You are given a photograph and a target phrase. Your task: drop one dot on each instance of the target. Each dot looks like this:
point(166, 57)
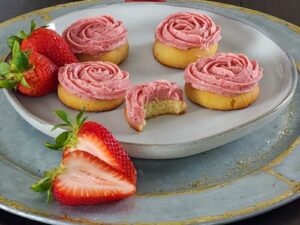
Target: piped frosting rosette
point(94, 80)
point(139, 95)
point(188, 30)
point(226, 73)
point(95, 35)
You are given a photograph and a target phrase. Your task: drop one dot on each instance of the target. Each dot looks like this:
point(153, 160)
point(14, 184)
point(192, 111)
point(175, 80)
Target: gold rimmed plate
point(244, 178)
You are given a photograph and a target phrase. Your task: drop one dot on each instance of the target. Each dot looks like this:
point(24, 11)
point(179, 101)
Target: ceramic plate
point(243, 178)
point(198, 129)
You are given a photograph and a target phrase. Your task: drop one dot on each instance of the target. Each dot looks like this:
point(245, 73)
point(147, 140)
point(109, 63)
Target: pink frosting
point(94, 80)
point(226, 73)
point(95, 35)
point(138, 96)
point(188, 30)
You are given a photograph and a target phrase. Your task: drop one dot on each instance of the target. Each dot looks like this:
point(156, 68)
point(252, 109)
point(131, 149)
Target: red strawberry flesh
point(88, 180)
point(98, 141)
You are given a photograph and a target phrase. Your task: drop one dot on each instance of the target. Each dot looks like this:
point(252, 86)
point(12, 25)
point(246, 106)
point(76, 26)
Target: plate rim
point(31, 118)
point(57, 220)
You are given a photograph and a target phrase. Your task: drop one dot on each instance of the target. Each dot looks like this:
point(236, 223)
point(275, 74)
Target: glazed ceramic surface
point(249, 176)
point(198, 129)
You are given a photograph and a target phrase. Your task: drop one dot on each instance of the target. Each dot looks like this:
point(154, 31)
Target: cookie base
point(179, 58)
point(115, 56)
point(221, 102)
point(158, 108)
point(87, 105)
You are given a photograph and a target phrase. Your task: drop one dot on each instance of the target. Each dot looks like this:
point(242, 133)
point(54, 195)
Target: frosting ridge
point(226, 73)
point(95, 35)
point(94, 80)
point(188, 30)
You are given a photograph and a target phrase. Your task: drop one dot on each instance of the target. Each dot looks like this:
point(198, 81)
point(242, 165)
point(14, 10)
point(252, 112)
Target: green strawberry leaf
point(4, 68)
point(69, 137)
point(42, 185)
point(24, 82)
point(60, 141)
point(12, 39)
point(49, 194)
point(45, 184)
point(55, 146)
point(59, 126)
point(78, 117)
point(63, 137)
point(32, 27)
point(64, 116)
point(80, 120)
point(10, 84)
point(19, 58)
point(21, 34)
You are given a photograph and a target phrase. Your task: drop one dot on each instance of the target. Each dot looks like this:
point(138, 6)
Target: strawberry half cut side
point(95, 139)
point(83, 179)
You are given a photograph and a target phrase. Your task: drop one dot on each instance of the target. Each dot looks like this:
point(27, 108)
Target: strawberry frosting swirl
point(95, 35)
point(94, 80)
point(226, 73)
point(139, 95)
point(188, 30)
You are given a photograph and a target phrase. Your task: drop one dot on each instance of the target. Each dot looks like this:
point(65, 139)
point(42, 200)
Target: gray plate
point(254, 174)
point(204, 129)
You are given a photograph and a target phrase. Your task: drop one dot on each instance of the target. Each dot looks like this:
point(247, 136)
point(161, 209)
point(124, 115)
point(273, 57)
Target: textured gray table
point(287, 215)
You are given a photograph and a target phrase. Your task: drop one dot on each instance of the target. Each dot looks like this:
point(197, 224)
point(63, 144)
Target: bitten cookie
point(152, 99)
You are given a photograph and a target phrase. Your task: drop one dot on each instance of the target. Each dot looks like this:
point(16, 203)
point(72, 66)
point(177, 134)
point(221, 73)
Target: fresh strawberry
point(83, 179)
point(95, 139)
point(30, 72)
point(50, 44)
point(46, 42)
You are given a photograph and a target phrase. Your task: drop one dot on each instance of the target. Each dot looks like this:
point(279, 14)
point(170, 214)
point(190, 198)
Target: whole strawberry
point(46, 42)
point(30, 72)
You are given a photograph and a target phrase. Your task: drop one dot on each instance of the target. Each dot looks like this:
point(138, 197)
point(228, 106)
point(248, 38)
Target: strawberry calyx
point(67, 138)
point(12, 73)
point(21, 35)
point(45, 184)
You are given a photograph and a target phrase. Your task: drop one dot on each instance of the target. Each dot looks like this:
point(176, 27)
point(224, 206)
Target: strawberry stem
point(12, 73)
point(20, 36)
point(45, 184)
point(67, 138)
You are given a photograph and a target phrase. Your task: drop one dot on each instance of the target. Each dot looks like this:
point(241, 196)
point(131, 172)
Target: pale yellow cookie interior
point(115, 56)
point(88, 105)
point(158, 108)
point(221, 102)
point(180, 58)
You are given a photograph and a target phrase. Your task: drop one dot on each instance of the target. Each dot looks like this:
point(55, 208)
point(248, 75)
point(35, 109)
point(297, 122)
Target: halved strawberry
point(83, 179)
point(95, 139)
